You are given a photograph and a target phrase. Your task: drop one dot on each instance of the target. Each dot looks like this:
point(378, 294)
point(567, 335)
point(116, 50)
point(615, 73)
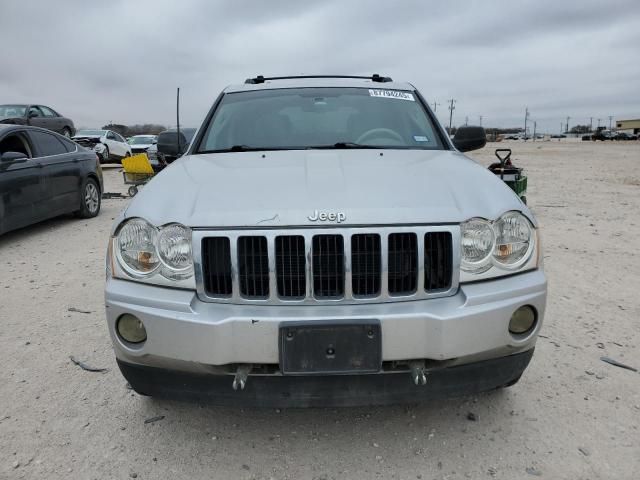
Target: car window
point(320, 118)
point(68, 144)
point(11, 111)
point(111, 136)
point(47, 144)
point(35, 110)
point(47, 111)
point(120, 138)
point(15, 142)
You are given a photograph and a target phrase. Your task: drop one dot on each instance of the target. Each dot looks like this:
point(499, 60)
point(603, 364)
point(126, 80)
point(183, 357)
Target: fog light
point(131, 329)
point(522, 320)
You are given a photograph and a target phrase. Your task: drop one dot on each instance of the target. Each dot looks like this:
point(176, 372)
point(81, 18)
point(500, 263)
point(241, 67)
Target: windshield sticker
point(392, 94)
point(420, 138)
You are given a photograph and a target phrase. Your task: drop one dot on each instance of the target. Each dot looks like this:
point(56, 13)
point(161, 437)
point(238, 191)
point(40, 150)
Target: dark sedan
point(43, 175)
point(37, 116)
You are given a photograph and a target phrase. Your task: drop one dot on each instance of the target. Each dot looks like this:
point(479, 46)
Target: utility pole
point(435, 106)
point(599, 123)
point(534, 130)
point(560, 131)
point(452, 107)
point(610, 118)
point(526, 117)
point(480, 120)
point(591, 124)
point(568, 118)
point(466, 121)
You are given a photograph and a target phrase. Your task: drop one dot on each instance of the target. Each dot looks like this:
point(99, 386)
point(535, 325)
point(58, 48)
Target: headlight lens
point(174, 250)
point(513, 239)
point(477, 243)
point(160, 256)
point(136, 247)
point(493, 249)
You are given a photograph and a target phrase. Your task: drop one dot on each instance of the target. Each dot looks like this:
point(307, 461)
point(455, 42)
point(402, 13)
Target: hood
point(140, 146)
point(284, 188)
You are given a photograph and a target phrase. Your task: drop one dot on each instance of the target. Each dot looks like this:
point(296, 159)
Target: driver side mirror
point(33, 114)
point(469, 138)
point(12, 156)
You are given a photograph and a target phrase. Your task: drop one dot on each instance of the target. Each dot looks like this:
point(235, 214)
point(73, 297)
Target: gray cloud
point(121, 61)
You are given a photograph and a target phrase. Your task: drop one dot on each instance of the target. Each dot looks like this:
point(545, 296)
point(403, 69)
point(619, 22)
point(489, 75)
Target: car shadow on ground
point(16, 236)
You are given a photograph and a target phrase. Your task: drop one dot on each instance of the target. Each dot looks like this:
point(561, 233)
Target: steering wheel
point(380, 132)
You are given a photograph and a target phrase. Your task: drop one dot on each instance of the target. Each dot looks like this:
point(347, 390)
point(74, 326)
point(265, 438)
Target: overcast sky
point(121, 61)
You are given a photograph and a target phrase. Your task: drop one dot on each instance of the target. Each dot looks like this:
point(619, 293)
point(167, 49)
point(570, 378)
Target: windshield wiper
point(241, 148)
point(344, 145)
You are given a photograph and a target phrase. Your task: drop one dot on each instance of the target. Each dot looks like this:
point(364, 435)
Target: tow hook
point(240, 379)
point(418, 374)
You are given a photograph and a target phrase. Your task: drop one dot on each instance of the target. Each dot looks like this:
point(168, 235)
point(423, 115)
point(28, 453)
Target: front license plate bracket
point(320, 347)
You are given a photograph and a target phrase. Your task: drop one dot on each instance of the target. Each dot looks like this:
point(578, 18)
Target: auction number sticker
point(398, 95)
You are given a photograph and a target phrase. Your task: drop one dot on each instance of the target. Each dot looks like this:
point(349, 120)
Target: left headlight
point(145, 253)
point(502, 247)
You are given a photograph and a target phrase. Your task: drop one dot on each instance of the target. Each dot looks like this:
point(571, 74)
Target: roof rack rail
point(374, 78)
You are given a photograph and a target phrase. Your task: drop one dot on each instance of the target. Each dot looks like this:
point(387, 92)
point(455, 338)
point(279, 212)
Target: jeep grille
point(349, 265)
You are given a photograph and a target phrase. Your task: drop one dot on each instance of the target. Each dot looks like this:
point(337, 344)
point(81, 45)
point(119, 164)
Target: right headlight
point(493, 249)
point(148, 254)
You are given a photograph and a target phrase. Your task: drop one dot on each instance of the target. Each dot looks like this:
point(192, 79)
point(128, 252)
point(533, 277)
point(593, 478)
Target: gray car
point(323, 242)
point(37, 116)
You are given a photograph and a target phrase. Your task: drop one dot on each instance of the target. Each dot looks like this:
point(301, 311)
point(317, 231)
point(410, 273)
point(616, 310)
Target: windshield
point(81, 133)
point(11, 111)
point(141, 140)
point(301, 118)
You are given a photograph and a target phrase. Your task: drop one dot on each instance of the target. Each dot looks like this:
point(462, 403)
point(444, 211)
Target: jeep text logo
point(327, 216)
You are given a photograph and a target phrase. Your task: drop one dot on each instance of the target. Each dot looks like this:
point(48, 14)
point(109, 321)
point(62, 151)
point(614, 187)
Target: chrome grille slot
point(216, 254)
point(437, 261)
point(366, 264)
point(291, 267)
point(403, 263)
point(253, 267)
point(328, 266)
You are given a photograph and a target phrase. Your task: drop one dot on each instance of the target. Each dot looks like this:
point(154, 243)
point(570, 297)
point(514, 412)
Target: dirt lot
point(572, 416)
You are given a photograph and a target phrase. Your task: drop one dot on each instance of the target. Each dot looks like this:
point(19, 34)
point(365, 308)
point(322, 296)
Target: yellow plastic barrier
point(137, 164)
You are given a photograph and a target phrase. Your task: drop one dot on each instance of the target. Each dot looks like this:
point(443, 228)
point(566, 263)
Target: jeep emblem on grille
point(327, 216)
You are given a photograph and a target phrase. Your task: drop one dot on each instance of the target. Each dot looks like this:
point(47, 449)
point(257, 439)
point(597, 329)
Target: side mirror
point(469, 138)
point(33, 114)
point(154, 142)
point(12, 156)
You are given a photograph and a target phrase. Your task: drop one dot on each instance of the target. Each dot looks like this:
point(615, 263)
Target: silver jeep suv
point(323, 242)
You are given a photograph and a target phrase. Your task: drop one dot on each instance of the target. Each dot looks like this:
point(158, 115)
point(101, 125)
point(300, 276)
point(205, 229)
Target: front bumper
point(189, 335)
point(328, 391)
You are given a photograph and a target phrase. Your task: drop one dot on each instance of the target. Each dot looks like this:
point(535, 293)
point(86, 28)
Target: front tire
point(105, 155)
point(90, 199)
point(66, 132)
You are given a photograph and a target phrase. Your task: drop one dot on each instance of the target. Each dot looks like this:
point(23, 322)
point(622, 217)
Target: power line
point(452, 107)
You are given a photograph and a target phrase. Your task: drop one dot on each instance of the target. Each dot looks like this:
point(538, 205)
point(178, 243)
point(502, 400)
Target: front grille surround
point(274, 298)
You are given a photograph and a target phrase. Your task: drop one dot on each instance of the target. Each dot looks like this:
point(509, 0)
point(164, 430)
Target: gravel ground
point(572, 416)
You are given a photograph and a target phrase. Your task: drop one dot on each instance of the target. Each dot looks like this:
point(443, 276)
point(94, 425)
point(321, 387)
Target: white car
point(141, 143)
point(109, 145)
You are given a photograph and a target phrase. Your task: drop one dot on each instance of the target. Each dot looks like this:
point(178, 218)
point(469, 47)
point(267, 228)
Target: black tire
point(133, 190)
point(105, 155)
point(66, 132)
point(90, 199)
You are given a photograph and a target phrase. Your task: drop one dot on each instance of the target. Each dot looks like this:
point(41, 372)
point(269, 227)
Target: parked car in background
point(43, 175)
point(109, 145)
point(141, 143)
point(172, 146)
point(626, 136)
point(37, 116)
